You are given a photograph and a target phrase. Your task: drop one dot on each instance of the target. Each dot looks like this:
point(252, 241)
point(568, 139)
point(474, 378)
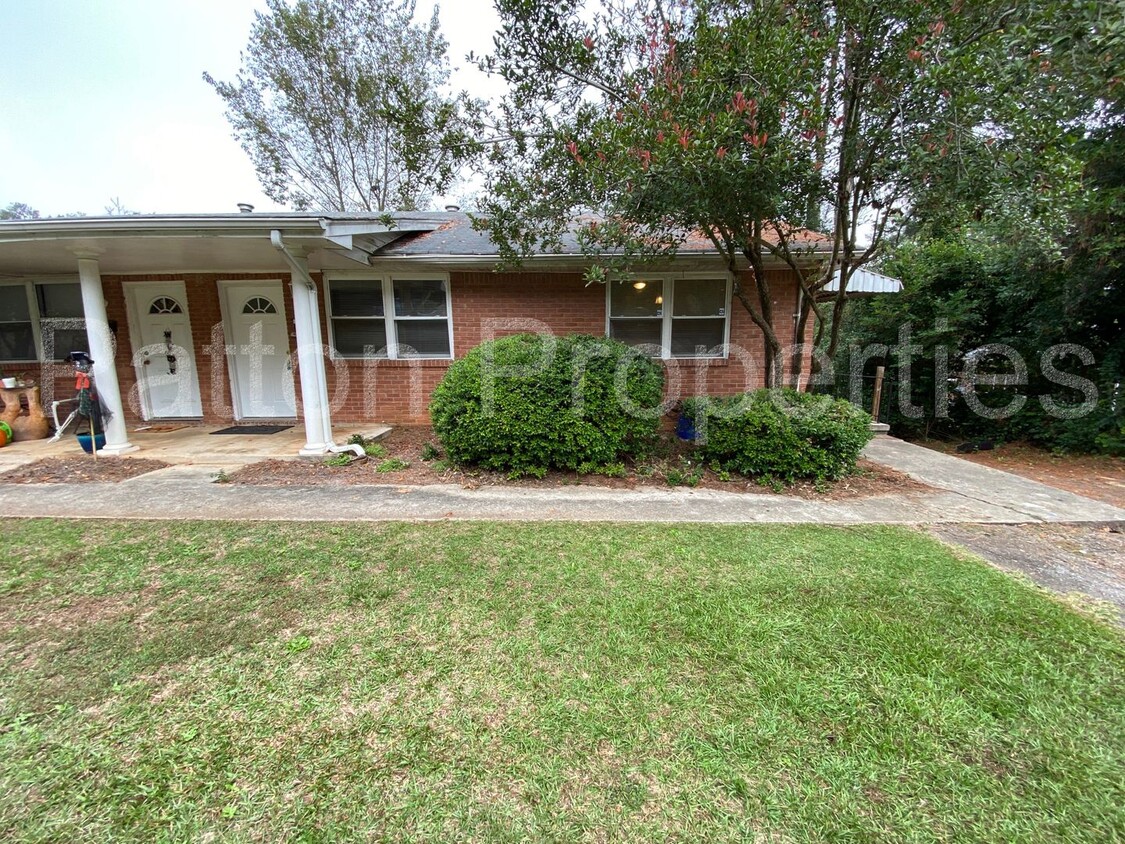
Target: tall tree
point(18, 211)
point(743, 121)
point(340, 104)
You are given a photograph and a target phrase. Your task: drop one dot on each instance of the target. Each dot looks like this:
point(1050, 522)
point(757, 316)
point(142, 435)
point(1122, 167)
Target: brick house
point(219, 319)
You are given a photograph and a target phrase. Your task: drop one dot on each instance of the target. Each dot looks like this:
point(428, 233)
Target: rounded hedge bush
point(528, 403)
point(780, 433)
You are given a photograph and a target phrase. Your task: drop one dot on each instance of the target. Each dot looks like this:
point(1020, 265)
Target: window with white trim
point(41, 321)
point(390, 316)
point(671, 317)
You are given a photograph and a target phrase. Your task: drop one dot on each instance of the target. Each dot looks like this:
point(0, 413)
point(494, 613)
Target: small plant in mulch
point(339, 460)
point(430, 452)
point(721, 474)
point(684, 473)
point(392, 464)
point(370, 447)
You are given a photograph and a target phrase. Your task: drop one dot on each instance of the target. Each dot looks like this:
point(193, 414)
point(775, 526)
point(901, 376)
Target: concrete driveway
point(1085, 560)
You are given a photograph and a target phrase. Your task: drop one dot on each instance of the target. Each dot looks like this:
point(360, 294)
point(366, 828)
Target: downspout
point(301, 271)
point(294, 264)
point(798, 340)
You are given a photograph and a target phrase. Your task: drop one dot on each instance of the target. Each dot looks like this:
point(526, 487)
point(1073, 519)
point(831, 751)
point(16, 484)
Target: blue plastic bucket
point(685, 427)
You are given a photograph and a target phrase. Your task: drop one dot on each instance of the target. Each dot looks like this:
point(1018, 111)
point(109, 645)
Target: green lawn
point(543, 682)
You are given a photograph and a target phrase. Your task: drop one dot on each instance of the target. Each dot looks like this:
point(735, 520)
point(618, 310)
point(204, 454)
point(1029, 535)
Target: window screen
point(358, 324)
point(636, 311)
point(17, 340)
point(421, 318)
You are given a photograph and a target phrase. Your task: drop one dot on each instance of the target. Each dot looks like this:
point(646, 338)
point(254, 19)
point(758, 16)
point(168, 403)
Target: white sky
point(105, 98)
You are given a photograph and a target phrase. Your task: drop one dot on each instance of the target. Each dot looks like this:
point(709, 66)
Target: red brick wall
point(564, 304)
point(398, 391)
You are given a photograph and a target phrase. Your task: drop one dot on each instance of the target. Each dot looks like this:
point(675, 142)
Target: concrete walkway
point(1067, 559)
point(1026, 500)
point(965, 493)
point(193, 444)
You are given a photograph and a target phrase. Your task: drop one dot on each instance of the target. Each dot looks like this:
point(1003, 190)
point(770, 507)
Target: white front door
point(163, 352)
point(261, 371)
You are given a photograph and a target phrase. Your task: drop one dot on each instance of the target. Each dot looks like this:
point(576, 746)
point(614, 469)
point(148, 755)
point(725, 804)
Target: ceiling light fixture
point(638, 285)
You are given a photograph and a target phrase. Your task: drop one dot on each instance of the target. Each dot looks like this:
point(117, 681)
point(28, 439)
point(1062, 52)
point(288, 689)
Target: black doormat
point(253, 429)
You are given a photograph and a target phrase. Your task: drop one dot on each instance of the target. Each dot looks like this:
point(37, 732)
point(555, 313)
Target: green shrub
point(528, 403)
point(780, 434)
point(430, 452)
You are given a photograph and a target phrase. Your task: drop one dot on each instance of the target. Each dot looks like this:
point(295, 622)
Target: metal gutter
point(202, 225)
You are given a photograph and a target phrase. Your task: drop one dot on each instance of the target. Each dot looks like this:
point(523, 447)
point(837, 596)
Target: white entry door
point(258, 351)
point(163, 351)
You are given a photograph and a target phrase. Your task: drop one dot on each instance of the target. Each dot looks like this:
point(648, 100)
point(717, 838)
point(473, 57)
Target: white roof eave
point(864, 281)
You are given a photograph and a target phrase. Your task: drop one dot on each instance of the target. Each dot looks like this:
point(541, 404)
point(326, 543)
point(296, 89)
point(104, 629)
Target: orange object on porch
point(32, 425)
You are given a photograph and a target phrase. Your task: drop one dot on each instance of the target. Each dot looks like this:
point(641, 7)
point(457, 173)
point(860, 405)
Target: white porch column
point(101, 350)
point(310, 357)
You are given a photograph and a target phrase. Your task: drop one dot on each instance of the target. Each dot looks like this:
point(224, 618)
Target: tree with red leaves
point(746, 122)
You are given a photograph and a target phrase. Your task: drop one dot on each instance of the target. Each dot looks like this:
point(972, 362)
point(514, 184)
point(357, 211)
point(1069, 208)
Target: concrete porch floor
point(192, 445)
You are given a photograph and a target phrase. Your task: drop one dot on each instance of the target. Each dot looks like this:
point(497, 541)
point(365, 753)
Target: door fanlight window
point(258, 305)
point(165, 305)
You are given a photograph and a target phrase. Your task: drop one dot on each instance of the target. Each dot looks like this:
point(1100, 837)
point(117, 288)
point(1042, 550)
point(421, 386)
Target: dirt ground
point(406, 443)
point(1095, 476)
point(1085, 563)
point(80, 470)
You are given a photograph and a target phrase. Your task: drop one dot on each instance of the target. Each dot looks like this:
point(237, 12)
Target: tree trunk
point(837, 322)
point(762, 315)
point(798, 362)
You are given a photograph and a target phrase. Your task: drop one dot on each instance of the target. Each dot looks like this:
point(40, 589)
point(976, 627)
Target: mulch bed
point(406, 443)
point(80, 470)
